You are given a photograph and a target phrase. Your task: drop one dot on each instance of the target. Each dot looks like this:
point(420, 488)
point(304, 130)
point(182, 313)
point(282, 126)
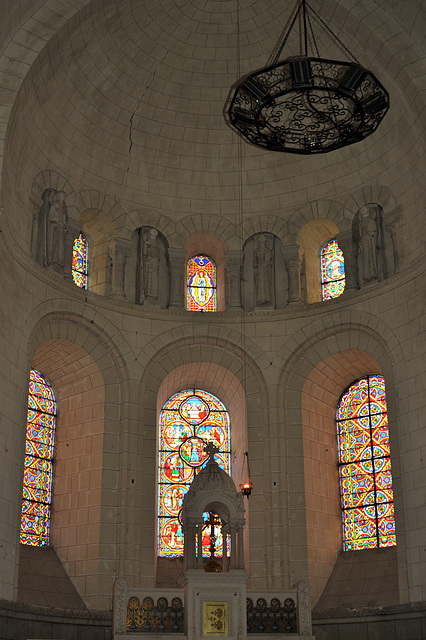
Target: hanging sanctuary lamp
point(308, 104)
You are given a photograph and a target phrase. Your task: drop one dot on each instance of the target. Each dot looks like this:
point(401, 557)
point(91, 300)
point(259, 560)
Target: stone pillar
point(349, 250)
point(240, 538)
point(304, 609)
point(72, 232)
point(199, 546)
point(233, 262)
point(233, 548)
point(121, 252)
point(177, 269)
point(292, 262)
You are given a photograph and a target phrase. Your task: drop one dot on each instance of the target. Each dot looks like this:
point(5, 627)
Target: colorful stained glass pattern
point(79, 262)
point(201, 284)
point(365, 466)
point(332, 271)
point(188, 420)
point(37, 484)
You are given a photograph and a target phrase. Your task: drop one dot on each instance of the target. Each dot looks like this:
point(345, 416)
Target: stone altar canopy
point(215, 587)
point(213, 599)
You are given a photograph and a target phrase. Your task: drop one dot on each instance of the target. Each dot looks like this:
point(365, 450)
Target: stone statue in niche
point(263, 269)
point(57, 222)
point(49, 230)
point(369, 243)
point(39, 246)
point(151, 265)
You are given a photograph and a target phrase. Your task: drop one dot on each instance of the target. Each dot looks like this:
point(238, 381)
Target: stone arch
point(148, 218)
point(320, 209)
point(313, 379)
point(372, 193)
point(214, 362)
point(204, 223)
point(86, 372)
point(264, 224)
point(93, 199)
point(50, 179)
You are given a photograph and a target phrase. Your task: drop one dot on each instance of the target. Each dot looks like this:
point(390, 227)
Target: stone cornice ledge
point(410, 610)
point(28, 611)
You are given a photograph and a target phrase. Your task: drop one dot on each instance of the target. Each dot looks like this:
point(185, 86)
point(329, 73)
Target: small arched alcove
point(100, 233)
point(311, 238)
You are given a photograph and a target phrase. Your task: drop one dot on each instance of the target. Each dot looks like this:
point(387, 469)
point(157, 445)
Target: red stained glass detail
point(365, 466)
point(37, 482)
point(332, 271)
point(188, 421)
point(201, 284)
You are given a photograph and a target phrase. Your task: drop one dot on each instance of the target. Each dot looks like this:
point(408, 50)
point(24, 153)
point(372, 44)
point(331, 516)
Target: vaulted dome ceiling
point(128, 97)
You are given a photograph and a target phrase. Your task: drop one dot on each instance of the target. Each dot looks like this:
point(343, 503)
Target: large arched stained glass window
point(365, 466)
point(188, 421)
point(332, 271)
point(37, 485)
point(79, 261)
point(201, 284)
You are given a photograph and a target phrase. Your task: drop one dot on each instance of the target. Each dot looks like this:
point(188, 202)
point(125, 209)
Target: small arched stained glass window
point(332, 271)
point(79, 262)
point(37, 484)
point(201, 284)
point(365, 466)
point(188, 421)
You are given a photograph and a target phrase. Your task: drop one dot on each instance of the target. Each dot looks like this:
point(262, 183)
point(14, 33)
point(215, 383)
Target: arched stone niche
point(265, 280)
point(324, 369)
point(311, 239)
point(76, 513)
point(100, 232)
point(49, 244)
point(147, 269)
point(376, 244)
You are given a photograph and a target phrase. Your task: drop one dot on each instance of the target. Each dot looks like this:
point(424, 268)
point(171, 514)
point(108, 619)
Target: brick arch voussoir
point(93, 334)
point(371, 194)
point(164, 356)
point(50, 179)
point(141, 218)
point(329, 209)
point(264, 224)
point(312, 345)
point(199, 222)
point(93, 199)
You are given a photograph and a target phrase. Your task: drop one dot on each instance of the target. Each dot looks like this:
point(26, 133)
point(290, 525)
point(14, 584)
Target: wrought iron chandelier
point(308, 104)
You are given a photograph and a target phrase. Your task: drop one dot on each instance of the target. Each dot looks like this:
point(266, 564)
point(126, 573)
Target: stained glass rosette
point(365, 466)
point(188, 421)
point(201, 284)
point(37, 483)
point(79, 262)
point(332, 271)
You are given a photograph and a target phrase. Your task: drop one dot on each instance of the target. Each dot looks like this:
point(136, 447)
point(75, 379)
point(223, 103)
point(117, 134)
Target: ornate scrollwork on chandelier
point(308, 105)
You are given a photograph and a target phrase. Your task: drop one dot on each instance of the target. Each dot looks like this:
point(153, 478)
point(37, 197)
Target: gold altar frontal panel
point(215, 618)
